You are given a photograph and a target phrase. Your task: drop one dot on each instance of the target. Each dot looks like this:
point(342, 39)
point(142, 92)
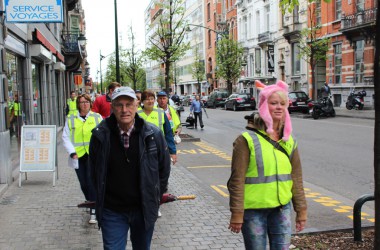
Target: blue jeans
point(85, 180)
point(273, 222)
point(115, 227)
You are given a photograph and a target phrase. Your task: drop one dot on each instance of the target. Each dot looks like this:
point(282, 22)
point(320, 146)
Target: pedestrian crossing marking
point(218, 190)
point(330, 202)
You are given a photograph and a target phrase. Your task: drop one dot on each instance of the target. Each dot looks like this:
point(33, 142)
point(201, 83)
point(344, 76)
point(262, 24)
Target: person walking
point(71, 104)
point(102, 104)
point(157, 116)
point(266, 175)
point(171, 113)
point(196, 109)
point(15, 117)
point(76, 138)
point(131, 166)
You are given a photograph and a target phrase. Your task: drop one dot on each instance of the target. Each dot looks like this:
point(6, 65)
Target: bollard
point(358, 215)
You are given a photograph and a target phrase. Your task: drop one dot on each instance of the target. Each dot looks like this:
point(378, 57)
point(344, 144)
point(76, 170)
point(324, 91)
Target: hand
point(300, 225)
point(235, 227)
point(174, 159)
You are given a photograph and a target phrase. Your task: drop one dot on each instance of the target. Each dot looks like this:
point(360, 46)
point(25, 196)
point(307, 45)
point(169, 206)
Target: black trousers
point(198, 116)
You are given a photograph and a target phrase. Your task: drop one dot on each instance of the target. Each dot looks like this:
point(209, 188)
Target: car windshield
point(295, 95)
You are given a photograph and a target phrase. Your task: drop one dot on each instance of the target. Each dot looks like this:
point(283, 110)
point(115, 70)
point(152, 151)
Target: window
point(208, 12)
point(209, 38)
point(338, 9)
point(267, 19)
point(359, 5)
point(338, 63)
point(245, 29)
point(258, 61)
point(296, 62)
point(295, 14)
point(318, 18)
point(359, 61)
point(257, 22)
point(251, 65)
point(249, 34)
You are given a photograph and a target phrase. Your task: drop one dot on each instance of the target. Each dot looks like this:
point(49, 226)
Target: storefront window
point(14, 93)
point(36, 94)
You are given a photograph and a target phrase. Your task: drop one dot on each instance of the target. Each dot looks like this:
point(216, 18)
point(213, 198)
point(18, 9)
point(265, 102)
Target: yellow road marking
point(214, 166)
point(219, 191)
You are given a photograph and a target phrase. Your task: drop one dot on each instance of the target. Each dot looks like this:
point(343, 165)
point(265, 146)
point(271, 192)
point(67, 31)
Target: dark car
point(298, 102)
point(217, 99)
point(240, 101)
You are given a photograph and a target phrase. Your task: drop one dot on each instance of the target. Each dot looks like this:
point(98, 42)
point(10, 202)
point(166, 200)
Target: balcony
point(292, 32)
point(264, 38)
point(361, 22)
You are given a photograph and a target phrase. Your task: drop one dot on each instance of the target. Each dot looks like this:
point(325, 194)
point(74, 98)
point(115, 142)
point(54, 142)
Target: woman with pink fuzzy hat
point(266, 174)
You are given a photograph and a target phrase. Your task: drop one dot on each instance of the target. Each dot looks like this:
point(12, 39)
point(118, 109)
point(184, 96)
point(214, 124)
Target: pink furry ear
point(282, 85)
point(259, 85)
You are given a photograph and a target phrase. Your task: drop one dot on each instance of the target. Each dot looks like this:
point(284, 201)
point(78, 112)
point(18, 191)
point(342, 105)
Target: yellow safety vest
point(17, 108)
point(72, 106)
point(268, 181)
point(156, 117)
point(175, 119)
point(80, 131)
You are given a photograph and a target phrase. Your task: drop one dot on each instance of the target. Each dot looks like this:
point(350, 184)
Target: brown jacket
point(239, 166)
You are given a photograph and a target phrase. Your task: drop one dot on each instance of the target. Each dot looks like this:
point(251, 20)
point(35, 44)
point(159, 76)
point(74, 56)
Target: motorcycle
point(321, 107)
point(355, 100)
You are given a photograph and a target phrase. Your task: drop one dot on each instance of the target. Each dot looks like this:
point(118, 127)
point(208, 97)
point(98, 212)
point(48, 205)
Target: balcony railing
point(70, 42)
point(264, 37)
point(358, 19)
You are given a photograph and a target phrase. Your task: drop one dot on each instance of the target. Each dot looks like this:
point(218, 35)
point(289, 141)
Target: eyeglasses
point(85, 102)
point(127, 105)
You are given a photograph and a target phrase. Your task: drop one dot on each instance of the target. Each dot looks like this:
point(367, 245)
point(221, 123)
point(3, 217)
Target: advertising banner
point(35, 11)
point(270, 58)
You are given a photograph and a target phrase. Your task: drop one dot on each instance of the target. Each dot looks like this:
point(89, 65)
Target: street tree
point(167, 43)
point(313, 47)
point(229, 58)
point(134, 60)
point(288, 5)
point(198, 69)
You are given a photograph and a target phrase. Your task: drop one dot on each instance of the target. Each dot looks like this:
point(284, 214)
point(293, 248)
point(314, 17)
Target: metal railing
point(70, 42)
point(357, 215)
point(359, 18)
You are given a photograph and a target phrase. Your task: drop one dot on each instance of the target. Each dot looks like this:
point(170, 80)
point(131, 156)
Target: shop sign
point(270, 54)
point(36, 11)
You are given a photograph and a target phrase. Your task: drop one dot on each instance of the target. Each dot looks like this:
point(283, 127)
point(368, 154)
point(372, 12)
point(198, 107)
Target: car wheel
point(348, 106)
point(315, 114)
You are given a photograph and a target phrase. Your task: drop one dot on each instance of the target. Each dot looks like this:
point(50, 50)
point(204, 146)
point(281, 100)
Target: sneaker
point(93, 219)
point(159, 213)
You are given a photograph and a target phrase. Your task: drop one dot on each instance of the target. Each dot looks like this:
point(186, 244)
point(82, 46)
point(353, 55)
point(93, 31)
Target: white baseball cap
point(123, 91)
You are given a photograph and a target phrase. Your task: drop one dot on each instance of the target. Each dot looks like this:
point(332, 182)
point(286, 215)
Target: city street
point(336, 154)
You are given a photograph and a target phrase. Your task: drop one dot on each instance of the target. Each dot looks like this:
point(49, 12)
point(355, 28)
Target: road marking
point(214, 166)
point(218, 190)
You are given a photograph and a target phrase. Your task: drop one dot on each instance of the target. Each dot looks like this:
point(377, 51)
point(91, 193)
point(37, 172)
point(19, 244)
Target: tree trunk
point(167, 78)
point(377, 134)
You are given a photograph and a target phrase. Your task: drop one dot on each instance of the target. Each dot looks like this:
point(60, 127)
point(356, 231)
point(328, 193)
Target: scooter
point(355, 100)
point(321, 107)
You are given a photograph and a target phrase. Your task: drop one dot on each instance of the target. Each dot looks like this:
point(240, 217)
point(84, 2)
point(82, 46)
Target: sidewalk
point(40, 216)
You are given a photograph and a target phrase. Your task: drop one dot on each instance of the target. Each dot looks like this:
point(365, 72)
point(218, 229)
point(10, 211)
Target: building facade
point(38, 65)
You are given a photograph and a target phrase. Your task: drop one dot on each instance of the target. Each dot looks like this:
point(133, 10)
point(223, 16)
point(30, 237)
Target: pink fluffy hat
point(265, 93)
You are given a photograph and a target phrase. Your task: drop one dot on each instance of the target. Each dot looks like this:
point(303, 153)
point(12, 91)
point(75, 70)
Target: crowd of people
point(123, 144)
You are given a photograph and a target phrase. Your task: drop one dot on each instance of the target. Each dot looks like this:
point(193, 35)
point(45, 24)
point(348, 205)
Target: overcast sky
point(100, 28)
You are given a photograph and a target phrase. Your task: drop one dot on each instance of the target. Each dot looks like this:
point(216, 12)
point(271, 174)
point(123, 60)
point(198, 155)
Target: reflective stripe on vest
point(72, 106)
point(268, 181)
point(156, 117)
point(80, 132)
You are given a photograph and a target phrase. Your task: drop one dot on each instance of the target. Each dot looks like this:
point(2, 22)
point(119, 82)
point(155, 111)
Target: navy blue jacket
point(154, 166)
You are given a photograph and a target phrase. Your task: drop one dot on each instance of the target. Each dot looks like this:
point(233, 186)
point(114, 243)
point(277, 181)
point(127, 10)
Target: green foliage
point(229, 58)
point(167, 43)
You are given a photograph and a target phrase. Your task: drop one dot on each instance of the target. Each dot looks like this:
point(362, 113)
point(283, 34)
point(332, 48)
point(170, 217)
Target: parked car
point(240, 101)
point(298, 102)
point(217, 99)
point(187, 100)
point(204, 99)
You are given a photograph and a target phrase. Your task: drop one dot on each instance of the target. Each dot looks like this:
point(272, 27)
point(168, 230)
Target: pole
point(117, 47)
point(101, 76)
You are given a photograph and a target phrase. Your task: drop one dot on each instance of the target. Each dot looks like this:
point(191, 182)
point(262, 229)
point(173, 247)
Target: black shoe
point(202, 126)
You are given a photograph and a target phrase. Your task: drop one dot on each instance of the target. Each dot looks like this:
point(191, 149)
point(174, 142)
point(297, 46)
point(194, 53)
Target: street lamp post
point(101, 74)
point(117, 47)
